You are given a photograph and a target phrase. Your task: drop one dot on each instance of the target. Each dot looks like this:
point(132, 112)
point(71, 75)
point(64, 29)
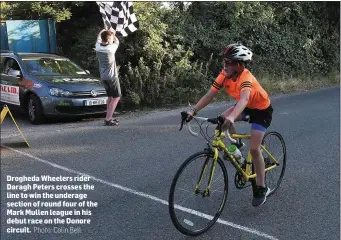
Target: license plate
point(95, 101)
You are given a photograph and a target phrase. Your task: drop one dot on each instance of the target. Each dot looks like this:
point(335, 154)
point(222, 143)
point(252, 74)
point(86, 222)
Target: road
point(132, 166)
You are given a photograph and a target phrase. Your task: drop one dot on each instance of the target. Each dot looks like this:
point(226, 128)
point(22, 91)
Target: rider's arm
point(244, 99)
point(204, 101)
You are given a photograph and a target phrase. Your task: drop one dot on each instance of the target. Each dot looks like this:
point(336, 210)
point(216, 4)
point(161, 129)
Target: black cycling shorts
point(260, 119)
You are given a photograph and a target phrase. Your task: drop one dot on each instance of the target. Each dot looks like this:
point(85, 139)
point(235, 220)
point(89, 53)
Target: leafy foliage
point(173, 57)
point(59, 11)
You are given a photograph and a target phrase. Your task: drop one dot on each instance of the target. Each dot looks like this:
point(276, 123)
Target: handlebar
point(218, 120)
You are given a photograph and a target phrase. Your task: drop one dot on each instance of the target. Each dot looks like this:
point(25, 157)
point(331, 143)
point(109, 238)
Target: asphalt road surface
point(131, 168)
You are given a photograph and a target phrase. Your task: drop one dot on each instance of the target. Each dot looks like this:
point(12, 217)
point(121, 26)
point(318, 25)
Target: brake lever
point(221, 121)
point(182, 124)
point(183, 119)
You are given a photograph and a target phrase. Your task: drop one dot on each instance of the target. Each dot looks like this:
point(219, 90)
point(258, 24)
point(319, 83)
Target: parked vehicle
point(49, 85)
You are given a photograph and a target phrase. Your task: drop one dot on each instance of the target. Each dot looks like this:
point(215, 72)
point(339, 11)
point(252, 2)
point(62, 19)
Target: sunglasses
point(228, 62)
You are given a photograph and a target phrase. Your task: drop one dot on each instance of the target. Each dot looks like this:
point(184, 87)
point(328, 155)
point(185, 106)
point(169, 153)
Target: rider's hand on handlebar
point(228, 121)
point(190, 115)
point(185, 117)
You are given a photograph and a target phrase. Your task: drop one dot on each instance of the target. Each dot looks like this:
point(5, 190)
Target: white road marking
point(142, 194)
point(10, 135)
point(188, 222)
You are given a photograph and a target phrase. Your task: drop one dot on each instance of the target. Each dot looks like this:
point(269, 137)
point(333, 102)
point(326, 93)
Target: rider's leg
point(260, 120)
point(257, 157)
point(260, 191)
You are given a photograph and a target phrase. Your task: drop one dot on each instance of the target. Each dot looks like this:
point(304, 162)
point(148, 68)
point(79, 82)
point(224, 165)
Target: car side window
point(10, 64)
point(15, 65)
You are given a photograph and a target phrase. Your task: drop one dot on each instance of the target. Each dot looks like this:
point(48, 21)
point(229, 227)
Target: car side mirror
point(14, 73)
point(87, 71)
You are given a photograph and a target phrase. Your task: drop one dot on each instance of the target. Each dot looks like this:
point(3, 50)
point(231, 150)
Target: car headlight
point(60, 92)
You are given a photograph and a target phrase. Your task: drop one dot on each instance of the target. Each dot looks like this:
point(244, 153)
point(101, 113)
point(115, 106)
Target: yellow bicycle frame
point(219, 145)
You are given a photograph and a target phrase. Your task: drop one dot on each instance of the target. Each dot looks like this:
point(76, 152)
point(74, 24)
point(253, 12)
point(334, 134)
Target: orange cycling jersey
point(259, 98)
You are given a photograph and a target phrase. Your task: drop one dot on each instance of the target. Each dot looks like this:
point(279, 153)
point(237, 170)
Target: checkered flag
point(119, 16)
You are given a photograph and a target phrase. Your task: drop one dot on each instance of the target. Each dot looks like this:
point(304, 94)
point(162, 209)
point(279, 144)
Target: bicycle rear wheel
point(274, 143)
point(192, 209)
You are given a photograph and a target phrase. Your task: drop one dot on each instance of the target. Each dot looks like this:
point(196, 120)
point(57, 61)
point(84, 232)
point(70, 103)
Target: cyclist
point(253, 104)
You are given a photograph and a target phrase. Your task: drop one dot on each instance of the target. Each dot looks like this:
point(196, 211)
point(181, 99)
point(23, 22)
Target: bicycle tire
point(282, 162)
point(171, 203)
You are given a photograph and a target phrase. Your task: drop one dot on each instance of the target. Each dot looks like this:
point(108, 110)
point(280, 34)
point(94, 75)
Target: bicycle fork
point(206, 192)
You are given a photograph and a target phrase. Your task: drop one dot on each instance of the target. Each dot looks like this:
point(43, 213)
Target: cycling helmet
point(237, 52)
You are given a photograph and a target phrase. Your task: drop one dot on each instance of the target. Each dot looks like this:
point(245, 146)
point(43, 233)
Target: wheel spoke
point(218, 188)
point(185, 190)
point(184, 200)
point(218, 178)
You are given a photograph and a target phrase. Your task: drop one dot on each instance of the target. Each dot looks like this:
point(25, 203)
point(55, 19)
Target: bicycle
point(194, 222)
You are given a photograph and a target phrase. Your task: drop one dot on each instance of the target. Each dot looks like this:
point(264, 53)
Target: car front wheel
point(35, 110)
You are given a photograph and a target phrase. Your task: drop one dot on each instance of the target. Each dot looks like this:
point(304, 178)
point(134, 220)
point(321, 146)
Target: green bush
point(173, 57)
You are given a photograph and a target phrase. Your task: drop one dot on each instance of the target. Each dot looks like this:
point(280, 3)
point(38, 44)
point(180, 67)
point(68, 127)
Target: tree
point(174, 56)
point(58, 11)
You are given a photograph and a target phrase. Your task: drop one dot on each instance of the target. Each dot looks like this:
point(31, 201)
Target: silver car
point(48, 85)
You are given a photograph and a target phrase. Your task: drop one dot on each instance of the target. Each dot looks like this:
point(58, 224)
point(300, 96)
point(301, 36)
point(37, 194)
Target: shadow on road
point(17, 145)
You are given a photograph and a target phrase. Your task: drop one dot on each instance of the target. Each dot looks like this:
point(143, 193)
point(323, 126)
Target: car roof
point(31, 55)
point(39, 55)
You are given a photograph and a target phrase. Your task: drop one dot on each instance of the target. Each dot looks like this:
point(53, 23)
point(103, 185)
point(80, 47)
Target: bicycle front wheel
point(193, 207)
point(274, 143)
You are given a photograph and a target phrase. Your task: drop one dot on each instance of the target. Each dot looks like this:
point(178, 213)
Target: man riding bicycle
point(253, 105)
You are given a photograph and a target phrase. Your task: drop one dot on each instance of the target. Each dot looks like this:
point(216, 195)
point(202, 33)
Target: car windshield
point(52, 66)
